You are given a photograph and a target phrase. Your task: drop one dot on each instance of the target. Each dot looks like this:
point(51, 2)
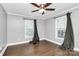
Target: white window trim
point(27, 37)
point(56, 35)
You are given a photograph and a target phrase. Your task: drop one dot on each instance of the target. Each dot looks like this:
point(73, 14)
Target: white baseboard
point(76, 49)
point(1, 54)
point(11, 44)
point(17, 43)
point(53, 41)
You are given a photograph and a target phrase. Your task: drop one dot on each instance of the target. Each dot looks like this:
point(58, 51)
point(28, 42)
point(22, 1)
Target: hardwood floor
point(44, 48)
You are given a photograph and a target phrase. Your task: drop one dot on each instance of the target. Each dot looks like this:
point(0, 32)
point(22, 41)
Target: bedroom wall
point(50, 29)
point(75, 22)
point(46, 29)
point(3, 27)
point(41, 28)
point(15, 29)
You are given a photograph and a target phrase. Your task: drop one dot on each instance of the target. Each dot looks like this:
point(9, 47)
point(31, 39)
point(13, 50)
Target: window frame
point(32, 23)
point(62, 19)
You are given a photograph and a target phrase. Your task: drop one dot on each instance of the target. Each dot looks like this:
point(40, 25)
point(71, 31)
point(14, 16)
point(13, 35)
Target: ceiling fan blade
point(50, 9)
point(34, 4)
point(35, 10)
point(47, 4)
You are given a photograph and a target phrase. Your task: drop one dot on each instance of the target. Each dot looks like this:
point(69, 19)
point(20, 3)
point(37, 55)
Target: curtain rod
point(24, 18)
point(61, 15)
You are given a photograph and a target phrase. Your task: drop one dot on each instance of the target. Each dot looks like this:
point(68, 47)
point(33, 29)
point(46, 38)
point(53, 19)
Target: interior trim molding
point(65, 11)
point(53, 41)
point(76, 49)
point(24, 17)
point(17, 43)
point(12, 44)
point(1, 54)
point(16, 14)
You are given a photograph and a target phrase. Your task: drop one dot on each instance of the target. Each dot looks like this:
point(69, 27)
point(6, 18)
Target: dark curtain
point(69, 36)
point(36, 36)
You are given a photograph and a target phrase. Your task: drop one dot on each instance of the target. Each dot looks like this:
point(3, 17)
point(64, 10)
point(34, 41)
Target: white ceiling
point(26, 8)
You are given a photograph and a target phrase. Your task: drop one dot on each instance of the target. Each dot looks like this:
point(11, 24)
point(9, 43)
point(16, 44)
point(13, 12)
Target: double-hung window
point(60, 27)
point(29, 29)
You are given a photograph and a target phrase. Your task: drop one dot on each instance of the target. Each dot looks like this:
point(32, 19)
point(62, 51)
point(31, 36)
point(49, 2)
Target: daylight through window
point(29, 29)
point(60, 27)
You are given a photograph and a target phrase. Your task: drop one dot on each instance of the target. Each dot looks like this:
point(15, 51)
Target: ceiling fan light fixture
point(41, 10)
point(42, 7)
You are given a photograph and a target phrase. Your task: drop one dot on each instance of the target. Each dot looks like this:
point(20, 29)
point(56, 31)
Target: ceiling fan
point(43, 7)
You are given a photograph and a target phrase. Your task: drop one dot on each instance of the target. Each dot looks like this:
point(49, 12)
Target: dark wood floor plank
point(44, 48)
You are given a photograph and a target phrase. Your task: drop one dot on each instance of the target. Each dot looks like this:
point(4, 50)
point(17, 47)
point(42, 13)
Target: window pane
point(60, 26)
point(61, 33)
point(29, 29)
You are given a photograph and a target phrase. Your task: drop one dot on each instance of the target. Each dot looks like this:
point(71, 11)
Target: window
point(60, 27)
point(29, 29)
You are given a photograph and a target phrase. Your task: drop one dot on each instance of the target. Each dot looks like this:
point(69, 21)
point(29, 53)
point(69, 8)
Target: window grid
point(29, 29)
point(60, 27)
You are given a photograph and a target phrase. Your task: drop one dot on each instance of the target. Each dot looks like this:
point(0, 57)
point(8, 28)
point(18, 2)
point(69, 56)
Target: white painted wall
point(41, 28)
point(51, 31)
point(15, 29)
point(50, 28)
point(12, 28)
point(3, 27)
point(46, 29)
point(75, 23)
